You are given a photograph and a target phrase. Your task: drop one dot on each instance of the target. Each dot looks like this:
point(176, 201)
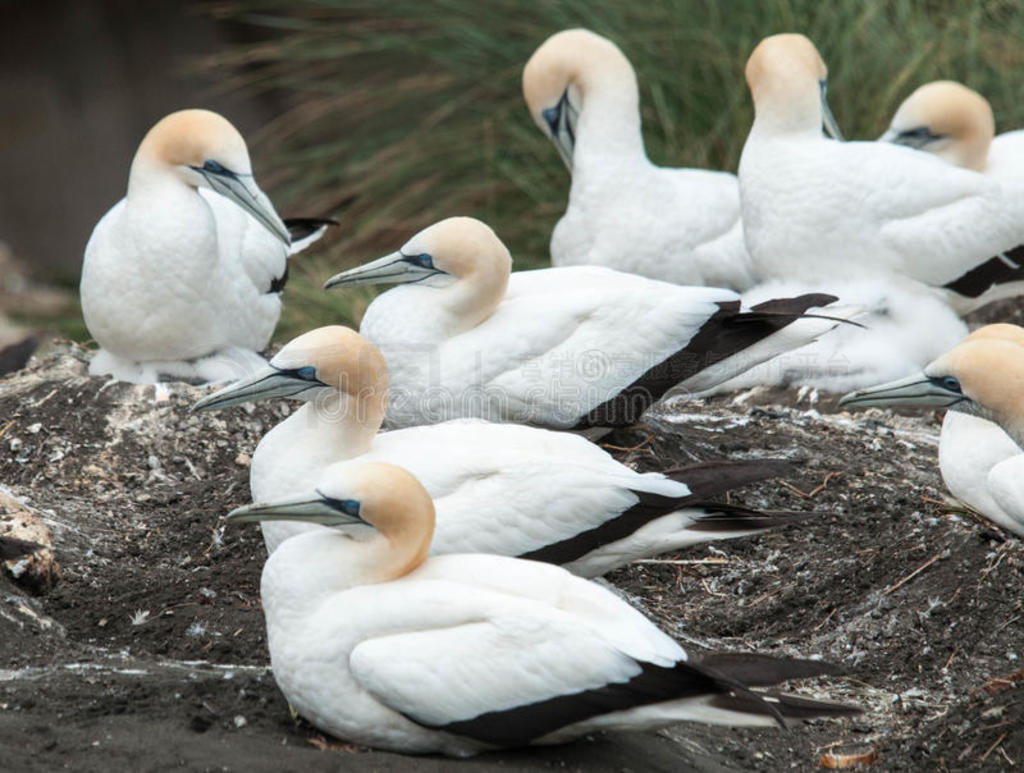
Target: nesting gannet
point(377, 644)
point(569, 347)
point(816, 209)
point(956, 124)
point(581, 509)
point(980, 381)
point(678, 225)
point(183, 275)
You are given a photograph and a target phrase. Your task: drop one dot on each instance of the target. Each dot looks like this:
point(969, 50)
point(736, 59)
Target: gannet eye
point(308, 373)
point(213, 167)
point(423, 260)
point(951, 383)
point(347, 506)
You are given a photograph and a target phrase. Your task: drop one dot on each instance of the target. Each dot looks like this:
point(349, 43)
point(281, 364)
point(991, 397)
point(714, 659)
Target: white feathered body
point(174, 275)
point(386, 665)
point(561, 342)
point(498, 488)
point(983, 468)
point(819, 209)
point(676, 225)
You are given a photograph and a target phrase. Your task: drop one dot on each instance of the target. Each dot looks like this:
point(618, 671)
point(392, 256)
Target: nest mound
point(150, 649)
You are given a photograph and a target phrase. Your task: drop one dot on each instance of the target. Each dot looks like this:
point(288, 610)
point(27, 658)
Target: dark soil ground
point(150, 652)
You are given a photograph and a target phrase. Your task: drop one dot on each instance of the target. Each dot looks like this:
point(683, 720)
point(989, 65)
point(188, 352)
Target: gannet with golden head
point(981, 452)
point(678, 225)
point(956, 124)
point(182, 277)
point(581, 509)
point(379, 645)
point(815, 209)
point(568, 347)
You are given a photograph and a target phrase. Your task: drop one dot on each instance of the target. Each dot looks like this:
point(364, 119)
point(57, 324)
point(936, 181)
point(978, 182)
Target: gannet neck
point(785, 74)
point(599, 83)
point(947, 119)
point(475, 267)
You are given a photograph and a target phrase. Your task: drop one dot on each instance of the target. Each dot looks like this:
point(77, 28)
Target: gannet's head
point(324, 360)
point(459, 250)
point(948, 119)
point(569, 68)
point(982, 375)
point(204, 150)
point(384, 496)
point(788, 81)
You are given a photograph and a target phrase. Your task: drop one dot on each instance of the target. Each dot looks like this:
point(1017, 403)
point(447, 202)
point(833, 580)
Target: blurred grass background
point(407, 111)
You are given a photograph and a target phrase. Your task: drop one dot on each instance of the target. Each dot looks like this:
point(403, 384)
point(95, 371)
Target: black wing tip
point(786, 706)
point(755, 669)
point(300, 228)
point(721, 517)
point(708, 478)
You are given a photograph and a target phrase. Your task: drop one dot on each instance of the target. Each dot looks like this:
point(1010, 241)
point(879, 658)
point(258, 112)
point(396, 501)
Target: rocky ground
point(149, 652)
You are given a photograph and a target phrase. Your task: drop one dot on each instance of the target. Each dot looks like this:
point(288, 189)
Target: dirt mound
point(151, 652)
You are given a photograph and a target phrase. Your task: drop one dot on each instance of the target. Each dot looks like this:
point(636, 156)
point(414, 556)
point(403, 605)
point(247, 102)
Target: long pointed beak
point(913, 390)
point(828, 120)
point(311, 510)
point(890, 135)
point(243, 191)
point(391, 269)
point(268, 383)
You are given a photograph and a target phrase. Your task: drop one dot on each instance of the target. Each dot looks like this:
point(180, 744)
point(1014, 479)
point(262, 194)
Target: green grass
point(404, 112)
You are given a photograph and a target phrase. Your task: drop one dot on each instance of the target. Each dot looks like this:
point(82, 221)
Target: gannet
point(581, 509)
point(183, 275)
point(677, 225)
point(379, 645)
point(980, 381)
point(568, 347)
point(956, 124)
point(816, 209)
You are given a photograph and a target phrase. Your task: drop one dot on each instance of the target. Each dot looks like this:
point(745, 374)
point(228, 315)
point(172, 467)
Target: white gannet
point(581, 508)
point(817, 209)
point(183, 275)
point(980, 381)
point(956, 124)
point(377, 644)
point(677, 225)
point(569, 347)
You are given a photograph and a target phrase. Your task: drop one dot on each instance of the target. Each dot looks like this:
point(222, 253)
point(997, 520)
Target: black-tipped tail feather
point(300, 228)
point(726, 332)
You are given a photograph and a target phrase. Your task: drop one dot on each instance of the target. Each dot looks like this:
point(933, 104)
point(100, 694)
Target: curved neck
point(788, 112)
point(345, 423)
point(608, 131)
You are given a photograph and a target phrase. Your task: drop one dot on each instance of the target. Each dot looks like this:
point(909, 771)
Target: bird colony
point(436, 512)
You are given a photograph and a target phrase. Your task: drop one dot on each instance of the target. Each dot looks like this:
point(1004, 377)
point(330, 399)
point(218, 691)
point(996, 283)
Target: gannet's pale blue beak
point(243, 191)
point(941, 392)
point(396, 268)
point(266, 384)
point(828, 120)
point(561, 123)
point(320, 509)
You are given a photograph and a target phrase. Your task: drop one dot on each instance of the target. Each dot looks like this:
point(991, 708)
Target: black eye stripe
point(347, 506)
point(949, 383)
point(423, 260)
